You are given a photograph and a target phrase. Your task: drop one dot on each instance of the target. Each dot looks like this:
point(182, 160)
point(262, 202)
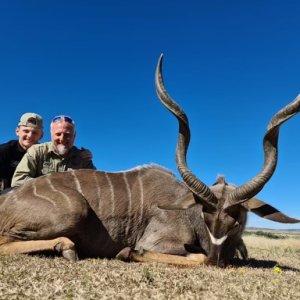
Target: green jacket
point(42, 159)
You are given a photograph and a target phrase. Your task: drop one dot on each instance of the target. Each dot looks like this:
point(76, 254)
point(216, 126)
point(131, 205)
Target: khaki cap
point(31, 120)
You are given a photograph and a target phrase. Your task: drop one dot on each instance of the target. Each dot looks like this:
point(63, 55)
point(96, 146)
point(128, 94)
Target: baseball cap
point(31, 120)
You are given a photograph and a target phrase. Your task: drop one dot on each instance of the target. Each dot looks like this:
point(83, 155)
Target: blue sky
point(231, 65)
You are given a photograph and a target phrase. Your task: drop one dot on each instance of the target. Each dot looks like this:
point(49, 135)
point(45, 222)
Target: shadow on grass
point(236, 262)
point(261, 264)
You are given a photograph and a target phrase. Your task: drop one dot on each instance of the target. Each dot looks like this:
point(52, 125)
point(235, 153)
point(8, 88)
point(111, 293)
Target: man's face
point(28, 136)
point(62, 136)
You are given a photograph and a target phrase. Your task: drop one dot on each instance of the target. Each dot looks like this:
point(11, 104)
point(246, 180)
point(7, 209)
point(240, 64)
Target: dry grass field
point(272, 272)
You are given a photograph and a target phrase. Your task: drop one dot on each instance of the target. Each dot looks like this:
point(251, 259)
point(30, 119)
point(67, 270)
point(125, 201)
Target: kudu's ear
point(267, 211)
point(228, 206)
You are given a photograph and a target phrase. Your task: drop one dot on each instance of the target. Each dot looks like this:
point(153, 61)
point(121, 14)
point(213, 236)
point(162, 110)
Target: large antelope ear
point(267, 211)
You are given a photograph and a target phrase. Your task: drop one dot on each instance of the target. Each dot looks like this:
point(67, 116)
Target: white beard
point(62, 149)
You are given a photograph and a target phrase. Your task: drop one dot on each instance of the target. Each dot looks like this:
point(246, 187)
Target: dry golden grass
point(273, 272)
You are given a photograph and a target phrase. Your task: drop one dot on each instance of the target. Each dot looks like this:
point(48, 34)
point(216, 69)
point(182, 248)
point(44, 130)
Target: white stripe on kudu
point(112, 194)
point(42, 196)
point(97, 187)
point(128, 192)
point(216, 241)
point(141, 216)
point(54, 189)
point(77, 182)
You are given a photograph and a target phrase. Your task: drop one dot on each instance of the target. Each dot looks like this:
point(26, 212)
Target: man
point(29, 132)
point(58, 155)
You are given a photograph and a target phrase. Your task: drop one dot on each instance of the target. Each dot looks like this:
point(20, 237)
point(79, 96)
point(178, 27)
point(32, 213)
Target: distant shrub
point(265, 234)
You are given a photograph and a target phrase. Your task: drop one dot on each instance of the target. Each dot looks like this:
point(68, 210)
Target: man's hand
point(86, 154)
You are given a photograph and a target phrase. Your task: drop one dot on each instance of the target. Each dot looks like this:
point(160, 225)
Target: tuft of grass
point(148, 276)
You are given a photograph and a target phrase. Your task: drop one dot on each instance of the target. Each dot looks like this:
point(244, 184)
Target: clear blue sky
point(230, 64)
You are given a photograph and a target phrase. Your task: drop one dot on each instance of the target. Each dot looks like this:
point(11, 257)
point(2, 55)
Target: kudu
point(143, 214)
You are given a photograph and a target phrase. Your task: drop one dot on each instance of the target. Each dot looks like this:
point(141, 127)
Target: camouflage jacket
point(42, 159)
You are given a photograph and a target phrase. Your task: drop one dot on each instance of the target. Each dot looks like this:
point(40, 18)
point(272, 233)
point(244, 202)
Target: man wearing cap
point(56, 156)
point(29, 132)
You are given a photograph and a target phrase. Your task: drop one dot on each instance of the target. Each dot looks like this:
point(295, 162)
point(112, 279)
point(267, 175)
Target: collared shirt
point(11, 154)
point(42, 159)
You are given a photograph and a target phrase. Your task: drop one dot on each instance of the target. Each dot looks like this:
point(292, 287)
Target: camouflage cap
point(31, 120)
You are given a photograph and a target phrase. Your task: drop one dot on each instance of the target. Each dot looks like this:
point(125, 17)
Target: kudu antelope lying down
point(87, 213)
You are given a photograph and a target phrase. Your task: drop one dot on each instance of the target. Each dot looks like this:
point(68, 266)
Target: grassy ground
point(273, 272)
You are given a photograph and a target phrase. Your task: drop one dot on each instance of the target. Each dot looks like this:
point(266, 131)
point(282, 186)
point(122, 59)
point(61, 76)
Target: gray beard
point(61, 149)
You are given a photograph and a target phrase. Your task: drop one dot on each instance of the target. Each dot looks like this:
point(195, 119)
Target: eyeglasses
point(61, 118)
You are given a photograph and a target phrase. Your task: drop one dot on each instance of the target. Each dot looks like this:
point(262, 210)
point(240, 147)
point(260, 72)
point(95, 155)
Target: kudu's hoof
point(124, 254)
point(70, 254)
point(67, 250)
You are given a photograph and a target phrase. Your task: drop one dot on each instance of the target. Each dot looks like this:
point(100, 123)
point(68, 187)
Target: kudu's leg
point(242, 249)
point(191, 260)
point(60, 244)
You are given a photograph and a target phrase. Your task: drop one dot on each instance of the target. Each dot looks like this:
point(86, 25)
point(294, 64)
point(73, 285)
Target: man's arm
point(87, 156)
point(4, 148)
point(26, 169)
point(89, 165)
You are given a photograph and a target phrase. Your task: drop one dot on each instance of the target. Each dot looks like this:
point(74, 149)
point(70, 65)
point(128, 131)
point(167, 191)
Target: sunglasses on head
point(61, 118)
